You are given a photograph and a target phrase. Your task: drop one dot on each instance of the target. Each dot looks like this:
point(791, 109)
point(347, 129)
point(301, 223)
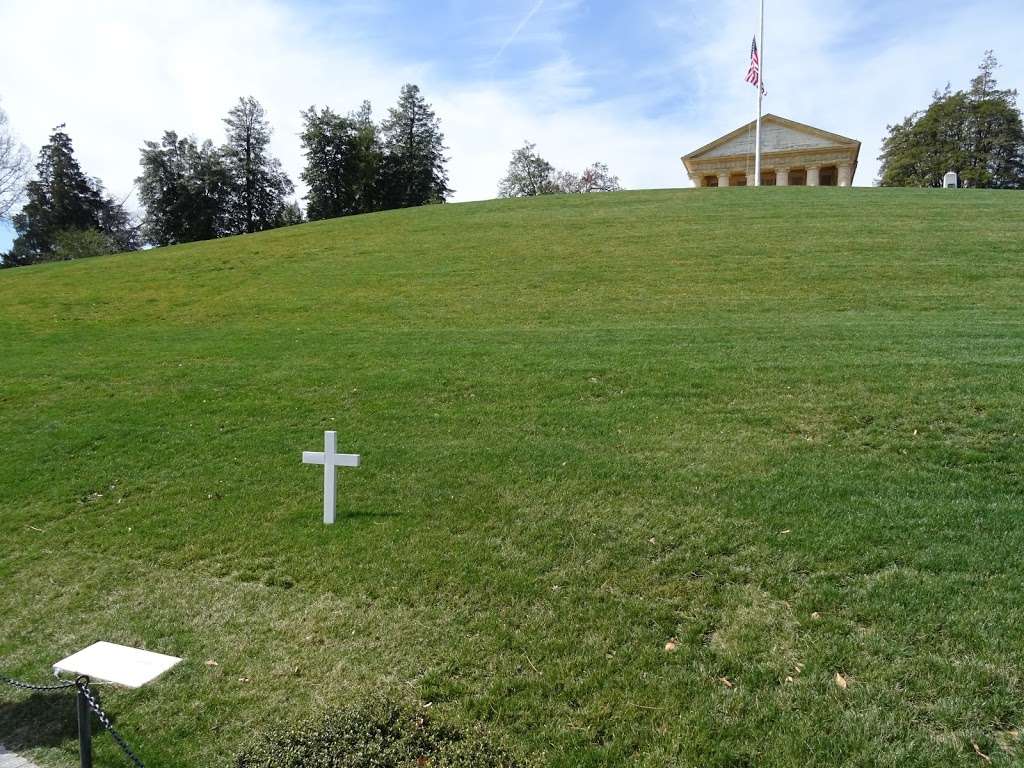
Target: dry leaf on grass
point(726, 682)
point(672, 646)
point(979, 753)
point(212, 663)
point(842, 681)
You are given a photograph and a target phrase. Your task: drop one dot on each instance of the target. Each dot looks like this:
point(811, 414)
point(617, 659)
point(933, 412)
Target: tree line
point(195, 190)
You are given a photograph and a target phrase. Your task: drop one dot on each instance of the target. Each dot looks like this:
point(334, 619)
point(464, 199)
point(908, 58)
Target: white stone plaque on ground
point(112, 663)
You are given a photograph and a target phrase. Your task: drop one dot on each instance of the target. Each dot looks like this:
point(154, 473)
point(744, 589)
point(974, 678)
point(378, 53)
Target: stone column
point(813, 178)
point(845, 174)
point(782, 177)
point(723, 179)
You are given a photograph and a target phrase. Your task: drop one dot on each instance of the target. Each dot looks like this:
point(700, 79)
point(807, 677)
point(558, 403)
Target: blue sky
point(633, 84)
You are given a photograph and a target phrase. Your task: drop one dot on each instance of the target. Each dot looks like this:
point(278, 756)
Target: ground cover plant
point(378, 733)
point(708, 477)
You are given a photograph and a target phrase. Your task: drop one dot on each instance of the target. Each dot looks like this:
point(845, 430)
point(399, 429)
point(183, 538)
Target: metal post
point(760, 99)
point(84, 731)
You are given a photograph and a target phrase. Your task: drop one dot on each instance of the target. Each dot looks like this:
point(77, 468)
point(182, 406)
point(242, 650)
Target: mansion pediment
point(789, 149)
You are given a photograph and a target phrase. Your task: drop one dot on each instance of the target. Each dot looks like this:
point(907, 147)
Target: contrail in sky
point(517, 30)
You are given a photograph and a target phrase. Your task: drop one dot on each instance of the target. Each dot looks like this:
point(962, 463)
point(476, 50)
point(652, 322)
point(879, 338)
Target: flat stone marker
point(113, 663)
point(330, 458)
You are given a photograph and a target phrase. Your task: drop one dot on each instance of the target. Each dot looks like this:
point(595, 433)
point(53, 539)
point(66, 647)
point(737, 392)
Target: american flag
point(754, 73)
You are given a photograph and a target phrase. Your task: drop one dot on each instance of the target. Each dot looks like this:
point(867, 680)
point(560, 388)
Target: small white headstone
point(950, 180)
point(120, 664)
point(330, 459)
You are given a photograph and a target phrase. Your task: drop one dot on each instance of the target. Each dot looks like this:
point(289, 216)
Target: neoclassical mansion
point(792, 154)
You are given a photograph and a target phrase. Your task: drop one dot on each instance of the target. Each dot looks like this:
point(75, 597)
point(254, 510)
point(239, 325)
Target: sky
point(633, 84)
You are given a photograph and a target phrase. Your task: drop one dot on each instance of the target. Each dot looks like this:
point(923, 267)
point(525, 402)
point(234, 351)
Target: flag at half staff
point(754, 72)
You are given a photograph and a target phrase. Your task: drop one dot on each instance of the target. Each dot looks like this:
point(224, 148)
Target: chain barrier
point(82, 683)
point(33, 687)
point(92, 699)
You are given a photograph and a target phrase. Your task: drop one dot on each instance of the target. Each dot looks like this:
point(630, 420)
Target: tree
point(63, 199)
point(185, 188)
point(977, 133)
point(595, 178)
point(343, 160)
point(291, 215)
point(528, 175)
point(413, 168)
point(259, 185)
point(15, 165)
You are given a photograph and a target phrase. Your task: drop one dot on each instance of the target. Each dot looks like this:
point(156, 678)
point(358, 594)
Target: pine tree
point(260, 186)
point(61, 204)
point(413, 170)
point(185, 189)
point(342, 162)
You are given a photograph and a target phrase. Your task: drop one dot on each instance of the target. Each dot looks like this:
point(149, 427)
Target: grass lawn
point(783, 429)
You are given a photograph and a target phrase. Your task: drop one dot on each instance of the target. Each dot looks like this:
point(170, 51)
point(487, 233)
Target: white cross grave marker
point(330, 459)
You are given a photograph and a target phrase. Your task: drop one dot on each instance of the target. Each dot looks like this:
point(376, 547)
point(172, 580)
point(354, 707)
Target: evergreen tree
point(343, 156)
point(977, 133)
point(185, 188)
point(259, 185)
point(62, 201)
point(413, 169)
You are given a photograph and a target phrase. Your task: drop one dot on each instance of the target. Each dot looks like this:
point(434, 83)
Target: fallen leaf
point(841, 681)
point(783, 533)
point(726, 682)
point(979, 753)
point(672, 646)
point(243, 679)
point(815, 615)
point(789, 679)
point(212, 663)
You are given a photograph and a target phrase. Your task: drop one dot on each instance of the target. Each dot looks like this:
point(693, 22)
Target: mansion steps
point(792, 154)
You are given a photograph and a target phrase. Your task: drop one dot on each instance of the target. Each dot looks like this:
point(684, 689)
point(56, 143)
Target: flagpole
point(760, 97)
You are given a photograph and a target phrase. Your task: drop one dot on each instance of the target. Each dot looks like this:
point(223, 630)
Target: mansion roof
point(783, 142)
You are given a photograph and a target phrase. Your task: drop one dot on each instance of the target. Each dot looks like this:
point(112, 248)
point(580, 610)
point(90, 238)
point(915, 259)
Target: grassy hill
point(781, 428)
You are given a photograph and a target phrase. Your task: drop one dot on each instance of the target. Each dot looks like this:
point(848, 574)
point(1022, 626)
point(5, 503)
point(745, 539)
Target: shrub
point(380, 733)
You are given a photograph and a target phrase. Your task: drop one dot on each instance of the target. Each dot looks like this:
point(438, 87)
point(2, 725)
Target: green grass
point(784, 427)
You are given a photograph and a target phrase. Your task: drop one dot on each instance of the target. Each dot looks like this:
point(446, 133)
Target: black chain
point(33, 687)
point(92, 699)
point(82, 683)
